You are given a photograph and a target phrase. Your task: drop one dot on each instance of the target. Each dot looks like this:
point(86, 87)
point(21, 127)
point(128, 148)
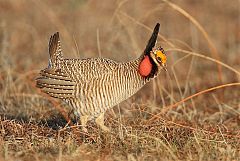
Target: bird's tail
point(55, 51)
point(53, 80)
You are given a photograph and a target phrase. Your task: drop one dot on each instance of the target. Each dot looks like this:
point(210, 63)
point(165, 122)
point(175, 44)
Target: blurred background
point(201, 40)
point(120, 30)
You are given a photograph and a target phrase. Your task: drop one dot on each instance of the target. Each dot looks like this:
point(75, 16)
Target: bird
point(91, 86)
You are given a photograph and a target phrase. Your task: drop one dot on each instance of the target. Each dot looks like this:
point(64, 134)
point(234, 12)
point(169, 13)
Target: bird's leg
point(100, 121)
point(84, 120)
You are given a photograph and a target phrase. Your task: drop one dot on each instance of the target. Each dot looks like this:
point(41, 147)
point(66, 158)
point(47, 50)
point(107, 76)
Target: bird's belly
point(97, 97)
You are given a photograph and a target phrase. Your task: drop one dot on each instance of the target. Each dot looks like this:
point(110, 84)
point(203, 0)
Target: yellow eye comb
point(159, 53)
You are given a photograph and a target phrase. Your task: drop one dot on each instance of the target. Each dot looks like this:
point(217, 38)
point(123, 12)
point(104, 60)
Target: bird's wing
point(63, 83)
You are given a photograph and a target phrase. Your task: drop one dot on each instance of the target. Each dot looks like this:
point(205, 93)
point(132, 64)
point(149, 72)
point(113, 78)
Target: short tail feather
point(55, 51)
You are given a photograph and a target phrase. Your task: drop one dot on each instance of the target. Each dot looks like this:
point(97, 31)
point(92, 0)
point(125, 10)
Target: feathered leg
point(100, 121)
point(84, 120)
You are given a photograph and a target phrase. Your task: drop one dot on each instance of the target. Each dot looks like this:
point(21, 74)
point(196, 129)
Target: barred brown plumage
point(93, 85)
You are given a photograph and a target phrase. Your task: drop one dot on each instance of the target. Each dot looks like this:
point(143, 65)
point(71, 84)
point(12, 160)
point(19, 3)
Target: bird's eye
point(159, 59)
point(160, 56)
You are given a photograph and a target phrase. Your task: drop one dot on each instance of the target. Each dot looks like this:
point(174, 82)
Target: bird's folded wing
point(56, 83)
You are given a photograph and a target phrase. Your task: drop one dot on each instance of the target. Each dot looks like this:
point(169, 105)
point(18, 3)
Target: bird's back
point(81, 70)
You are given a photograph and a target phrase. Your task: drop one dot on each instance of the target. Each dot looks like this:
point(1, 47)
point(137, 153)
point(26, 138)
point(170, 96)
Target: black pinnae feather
point(152, 40)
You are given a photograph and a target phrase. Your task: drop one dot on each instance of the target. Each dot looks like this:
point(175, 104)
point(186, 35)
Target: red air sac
point(145, 66)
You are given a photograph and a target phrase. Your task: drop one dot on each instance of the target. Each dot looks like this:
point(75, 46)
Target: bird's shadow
point(54, 122)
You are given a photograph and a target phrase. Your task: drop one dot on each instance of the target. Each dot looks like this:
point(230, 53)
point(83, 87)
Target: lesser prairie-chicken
point(93, 85)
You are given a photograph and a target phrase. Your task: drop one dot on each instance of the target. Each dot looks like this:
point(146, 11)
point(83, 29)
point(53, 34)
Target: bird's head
point(159, 58)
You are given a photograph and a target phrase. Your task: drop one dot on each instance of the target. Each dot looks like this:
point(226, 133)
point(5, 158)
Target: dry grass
point(190, 113)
